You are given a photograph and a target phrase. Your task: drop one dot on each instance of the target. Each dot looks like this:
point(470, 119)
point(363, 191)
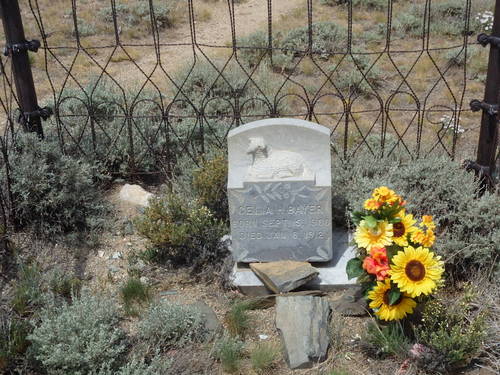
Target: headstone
point(279, 189)
point(303, 326)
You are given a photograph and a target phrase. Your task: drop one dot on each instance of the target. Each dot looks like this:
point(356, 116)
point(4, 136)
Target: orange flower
point(427, 221)
point(372, 204)
point(377, 263)
point(425, 239)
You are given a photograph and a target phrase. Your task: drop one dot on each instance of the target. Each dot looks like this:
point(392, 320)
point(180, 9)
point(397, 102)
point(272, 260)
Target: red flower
point(377, 263)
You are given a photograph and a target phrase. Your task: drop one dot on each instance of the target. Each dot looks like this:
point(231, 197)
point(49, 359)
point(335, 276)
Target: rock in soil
point(284, 276)
point(212, 324)
point(303, 325)
point(135, 194)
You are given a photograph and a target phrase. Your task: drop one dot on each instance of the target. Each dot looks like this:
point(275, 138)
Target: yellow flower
point(425, 239)
point(380, 302)
point(385, 195)
point(427, 221)
point(416, 271)
point(372, 204)
point(379, 236)
point(403, 228)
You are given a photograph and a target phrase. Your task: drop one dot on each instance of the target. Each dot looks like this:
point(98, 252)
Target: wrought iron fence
point(138, 84)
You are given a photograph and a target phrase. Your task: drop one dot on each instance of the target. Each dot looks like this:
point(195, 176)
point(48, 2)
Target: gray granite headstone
point(279, 189)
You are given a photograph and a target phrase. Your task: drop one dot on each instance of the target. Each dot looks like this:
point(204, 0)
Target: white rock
point(263, 337)
point(135, 194)
point(100, 253)
point(117, 255)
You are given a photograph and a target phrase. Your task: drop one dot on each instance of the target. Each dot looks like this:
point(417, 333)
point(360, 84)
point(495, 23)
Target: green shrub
point(209, 183)
point(229, 351)
point(454, 329)
point(133, 292)
point(137, 14)
point(328, 38)
point(389, 340)
point(468, 227)
point(167, 325)
point(95, 128)
point(237, 319)
point(264, 356)
point(28, 293)
point(137, 366)
point(254, 48)
point(64, 285)
point(13, 341)
point(80, 338)
point(53, 193)
point(181, 233)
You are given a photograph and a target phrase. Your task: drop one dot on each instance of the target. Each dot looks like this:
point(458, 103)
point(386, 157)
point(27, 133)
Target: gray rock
point(135, 194)
point(352, 303)
point(116, 255)
point(113, 269)
point(284, 276)
point(212, 324)
point(303, 325)
point(128, 228)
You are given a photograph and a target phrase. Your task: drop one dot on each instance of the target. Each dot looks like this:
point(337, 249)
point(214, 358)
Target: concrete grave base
point(332, 275)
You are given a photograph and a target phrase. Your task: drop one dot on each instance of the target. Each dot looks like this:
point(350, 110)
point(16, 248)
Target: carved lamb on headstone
point(270, 165)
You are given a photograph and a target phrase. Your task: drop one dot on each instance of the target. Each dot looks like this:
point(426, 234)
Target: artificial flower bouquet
point(395, 264)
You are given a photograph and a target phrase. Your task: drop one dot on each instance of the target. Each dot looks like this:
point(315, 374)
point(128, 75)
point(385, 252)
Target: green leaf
point(370, 221)
point(356, 217)
point(394, 295)
point(354, 268)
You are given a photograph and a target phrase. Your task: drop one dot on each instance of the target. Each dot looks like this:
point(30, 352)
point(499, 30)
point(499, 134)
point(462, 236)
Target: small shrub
point(13, 341)
point(386, 341)
point(229, 351)
point(137, 14)
point(134, 292)
point(181, 233)
point(209, 183)
point(237, 319)
point(80, 338)
point(168, 325)
point(328, 38)
point(28, 290)
point(54, 194)
point(63, 285)
point(156, 366)
point(455, 331)
point(264, 356)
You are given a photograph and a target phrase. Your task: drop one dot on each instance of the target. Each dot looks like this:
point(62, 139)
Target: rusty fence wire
point(138, 85)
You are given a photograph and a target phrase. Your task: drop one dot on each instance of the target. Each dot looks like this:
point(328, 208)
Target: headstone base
point(332, 275)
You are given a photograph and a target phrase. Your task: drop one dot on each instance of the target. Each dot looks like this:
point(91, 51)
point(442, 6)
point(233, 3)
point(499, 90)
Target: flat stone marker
point(284, 276)
point(279, 189)
point(303, 325)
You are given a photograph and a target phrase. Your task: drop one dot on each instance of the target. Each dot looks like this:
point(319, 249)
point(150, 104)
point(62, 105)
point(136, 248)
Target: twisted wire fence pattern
point(146, 127)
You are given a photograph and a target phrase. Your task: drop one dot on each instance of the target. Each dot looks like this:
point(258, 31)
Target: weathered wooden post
point(488, 136)
point(17, 48)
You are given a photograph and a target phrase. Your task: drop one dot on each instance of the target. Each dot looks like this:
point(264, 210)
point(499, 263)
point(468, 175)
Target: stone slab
point(332, 275)
point(284, 276)
point(303, 325)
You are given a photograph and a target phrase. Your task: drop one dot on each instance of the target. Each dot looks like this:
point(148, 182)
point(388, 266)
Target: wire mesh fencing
point(142, 85)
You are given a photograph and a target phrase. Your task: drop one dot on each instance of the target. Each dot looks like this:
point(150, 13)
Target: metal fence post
point(17, 48)
point(488, 136)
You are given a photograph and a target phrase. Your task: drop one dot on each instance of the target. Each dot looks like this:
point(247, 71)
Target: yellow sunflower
point(379, 236)
point(425, 239)
point(385, 195)
point(403, 228)
point(380, 302)
point(416, 271)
